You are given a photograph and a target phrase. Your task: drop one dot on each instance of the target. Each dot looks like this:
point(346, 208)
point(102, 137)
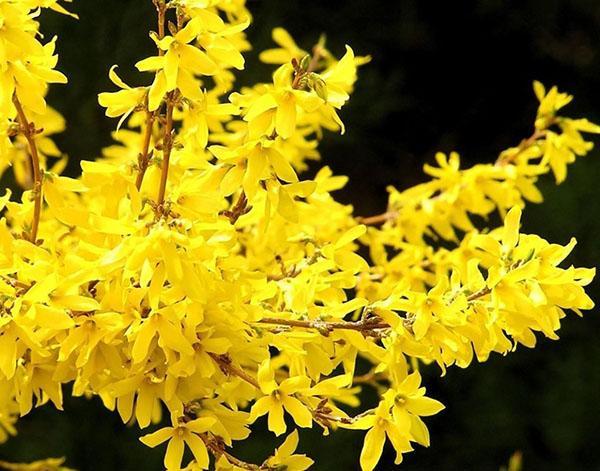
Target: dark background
point(445, 76)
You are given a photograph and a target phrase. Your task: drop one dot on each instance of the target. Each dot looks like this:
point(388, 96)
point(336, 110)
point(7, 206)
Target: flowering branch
point(367, 326)
point(504, 158)
point(150, 292)
point(368, 378)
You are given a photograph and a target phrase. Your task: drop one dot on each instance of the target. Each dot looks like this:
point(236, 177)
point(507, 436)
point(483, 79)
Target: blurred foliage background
point(445, 76)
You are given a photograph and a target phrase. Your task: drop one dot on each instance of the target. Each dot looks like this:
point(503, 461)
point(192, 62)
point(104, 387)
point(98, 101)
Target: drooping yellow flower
point(279, 397)
point(125, 101)
point(287, 51)
point(408, 401)
point(381, 425)
point(284, 455)
point(182, 433)
point(178, 66)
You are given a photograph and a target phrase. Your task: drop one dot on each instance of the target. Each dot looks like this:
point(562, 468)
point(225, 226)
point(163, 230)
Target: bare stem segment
point(28, 130)
point(167, 149)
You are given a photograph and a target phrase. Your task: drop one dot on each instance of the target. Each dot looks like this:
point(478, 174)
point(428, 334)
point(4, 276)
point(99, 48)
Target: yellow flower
point(276, 109)
point(408, 401)
point(178, 66)
point(284, 456)
point(287, 51)
point(279, 397)
point(204, 116)
point(182, 433)
point(381, 424)
point(125, 101)
point(250, 164)
point(52, 4)
point(28, 79)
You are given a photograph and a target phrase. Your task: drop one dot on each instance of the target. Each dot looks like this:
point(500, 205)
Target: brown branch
point(28, 130)
point(316, 57)
point(167, 145)
point(522, 147)
point(161, 9)
point(323, 415)
point(227, 367)
point(326, 419)
point(144, 157)
point(479, 294)
point(367, 326)
point(326, 328)
point(167, 148)
point(368, 378)
point(217, 449)
point(299, 74)
point(16, 283)
point(145, 154)
point(378, 219)
point(238, 210)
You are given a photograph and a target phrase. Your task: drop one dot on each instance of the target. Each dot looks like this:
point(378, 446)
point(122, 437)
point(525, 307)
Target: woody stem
point(28, 130)
point(522, 147)
point(314, 63)
point(161, 9)
point(367, 325)
point(167, 148)
point(316, 57)
point(226, 366)
point(217, 449)
point(145, 154)
point(144, 157)
point(327, 326)
point(377, 219)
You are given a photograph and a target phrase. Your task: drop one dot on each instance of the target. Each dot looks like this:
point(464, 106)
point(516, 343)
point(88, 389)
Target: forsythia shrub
point(189, 272)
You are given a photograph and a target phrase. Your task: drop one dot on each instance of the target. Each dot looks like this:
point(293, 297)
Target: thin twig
point(522, 147)
point(368, 325)
point(217, 448)
point(161, 9)
point(227, 367)
point(378, 219)
point(479, 294)
point(28, 130)
point(144, 156)
point(316, 57)
point(312, 66)
point(327, 327)
point(368, 378)
point(167, 148)
point(238, 210)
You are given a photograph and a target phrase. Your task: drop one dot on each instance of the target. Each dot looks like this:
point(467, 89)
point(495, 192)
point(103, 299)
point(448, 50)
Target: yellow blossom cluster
point(190, 275)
